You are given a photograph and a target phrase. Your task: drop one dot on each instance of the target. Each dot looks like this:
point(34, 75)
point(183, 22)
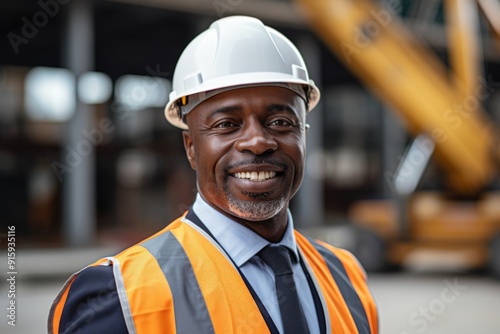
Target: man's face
point(248, 148)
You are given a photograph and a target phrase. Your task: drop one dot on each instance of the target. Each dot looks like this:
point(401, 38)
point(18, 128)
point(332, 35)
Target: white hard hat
point(236, 51)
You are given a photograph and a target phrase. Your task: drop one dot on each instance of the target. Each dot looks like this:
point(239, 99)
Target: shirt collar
point(240, 243)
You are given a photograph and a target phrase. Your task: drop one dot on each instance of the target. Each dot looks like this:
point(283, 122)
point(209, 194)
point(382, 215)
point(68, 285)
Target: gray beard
point(255, 210)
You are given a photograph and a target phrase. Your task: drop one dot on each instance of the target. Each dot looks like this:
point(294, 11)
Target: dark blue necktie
point(292, 315)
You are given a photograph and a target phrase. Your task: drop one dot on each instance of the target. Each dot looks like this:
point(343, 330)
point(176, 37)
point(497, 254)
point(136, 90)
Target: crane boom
point(375, 45)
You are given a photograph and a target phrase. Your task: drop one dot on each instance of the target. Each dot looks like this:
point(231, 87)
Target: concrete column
point(309, 210)
point(394, 139)
point(393, 147)
point(79, 185)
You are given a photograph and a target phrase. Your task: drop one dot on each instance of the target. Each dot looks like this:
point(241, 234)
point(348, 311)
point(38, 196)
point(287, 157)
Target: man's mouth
point(255, 176)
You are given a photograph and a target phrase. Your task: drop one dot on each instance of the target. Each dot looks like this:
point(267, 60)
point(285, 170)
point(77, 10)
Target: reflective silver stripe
point(191, 313)
point(122, 294)
point(346, 289)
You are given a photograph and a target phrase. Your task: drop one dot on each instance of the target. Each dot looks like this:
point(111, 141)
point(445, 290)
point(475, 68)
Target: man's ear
point(189, 147)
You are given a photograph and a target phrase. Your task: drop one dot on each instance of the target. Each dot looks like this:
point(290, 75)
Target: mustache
point(259, 161)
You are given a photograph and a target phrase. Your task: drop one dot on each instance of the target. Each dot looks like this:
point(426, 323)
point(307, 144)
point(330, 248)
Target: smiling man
point(248, 148)
point(233, 263)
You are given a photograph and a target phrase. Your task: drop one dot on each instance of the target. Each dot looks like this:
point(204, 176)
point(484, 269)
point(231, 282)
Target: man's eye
point(280, 122)
point(225, 125)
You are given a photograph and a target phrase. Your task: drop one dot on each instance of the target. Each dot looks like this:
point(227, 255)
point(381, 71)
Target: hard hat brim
point(237, 81)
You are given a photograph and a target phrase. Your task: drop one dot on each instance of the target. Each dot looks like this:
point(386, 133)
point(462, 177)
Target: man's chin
point(256, 210)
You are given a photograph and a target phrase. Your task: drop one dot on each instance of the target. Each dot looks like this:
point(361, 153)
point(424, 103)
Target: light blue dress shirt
point(242, 245)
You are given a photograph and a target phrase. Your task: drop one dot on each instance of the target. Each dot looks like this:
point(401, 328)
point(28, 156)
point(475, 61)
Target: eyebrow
point(272, 108)
point(226, 110)
point(282, 107)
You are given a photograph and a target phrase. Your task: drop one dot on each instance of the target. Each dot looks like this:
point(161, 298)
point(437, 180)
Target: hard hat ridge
point(236, 51)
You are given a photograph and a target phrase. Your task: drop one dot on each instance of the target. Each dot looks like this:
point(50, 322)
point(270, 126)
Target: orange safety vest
point(180, 279)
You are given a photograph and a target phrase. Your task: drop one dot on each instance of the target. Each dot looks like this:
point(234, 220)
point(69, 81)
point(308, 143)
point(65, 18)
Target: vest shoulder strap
point(342, 282)
point(194, 268)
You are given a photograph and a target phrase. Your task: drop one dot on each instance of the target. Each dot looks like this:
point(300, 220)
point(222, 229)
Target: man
point(232, 263)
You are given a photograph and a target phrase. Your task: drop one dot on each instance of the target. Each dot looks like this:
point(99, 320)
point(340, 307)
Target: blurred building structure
point(89, 166)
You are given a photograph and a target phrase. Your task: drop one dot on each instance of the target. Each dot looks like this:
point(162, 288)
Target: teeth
point(255, 176)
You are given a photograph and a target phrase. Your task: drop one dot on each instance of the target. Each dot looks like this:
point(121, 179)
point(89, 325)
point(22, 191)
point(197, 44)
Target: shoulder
point(133, 257)
point(349, 261)
point(92, 304)
point(333, 256)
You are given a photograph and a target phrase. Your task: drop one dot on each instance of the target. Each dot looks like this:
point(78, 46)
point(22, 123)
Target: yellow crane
point(442, 109)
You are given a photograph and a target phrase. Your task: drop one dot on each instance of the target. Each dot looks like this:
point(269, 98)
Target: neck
point(271, 229)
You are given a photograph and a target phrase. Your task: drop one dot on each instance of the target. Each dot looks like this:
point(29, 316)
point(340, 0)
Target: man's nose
point(256, 139)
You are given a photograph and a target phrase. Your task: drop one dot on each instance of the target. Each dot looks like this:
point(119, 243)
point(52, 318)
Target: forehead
point(260, 98)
